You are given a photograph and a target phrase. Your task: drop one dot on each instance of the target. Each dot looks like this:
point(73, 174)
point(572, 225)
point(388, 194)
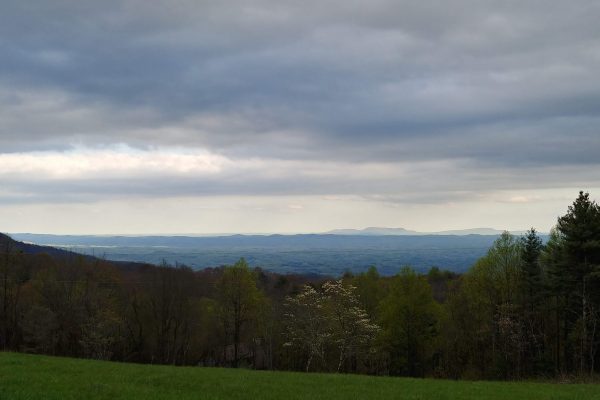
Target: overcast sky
point(295, 116)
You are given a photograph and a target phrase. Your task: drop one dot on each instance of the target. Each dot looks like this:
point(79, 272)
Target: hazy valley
point(321, 254)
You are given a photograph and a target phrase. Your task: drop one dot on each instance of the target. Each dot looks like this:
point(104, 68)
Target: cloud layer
point(394, 102)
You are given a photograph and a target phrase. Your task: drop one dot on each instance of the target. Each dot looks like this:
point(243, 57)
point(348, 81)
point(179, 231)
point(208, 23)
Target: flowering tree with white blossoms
point(350, 325)
point(326, 319)
point(307, 323)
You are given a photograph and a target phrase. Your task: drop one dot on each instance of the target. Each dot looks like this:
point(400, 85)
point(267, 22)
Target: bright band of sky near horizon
point(260, 117)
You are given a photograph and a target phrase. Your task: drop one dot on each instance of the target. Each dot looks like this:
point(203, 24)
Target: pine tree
point(531, 271)
point(580, 230)
point(533, 295)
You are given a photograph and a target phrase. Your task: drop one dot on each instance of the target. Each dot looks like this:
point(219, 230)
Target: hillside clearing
point(42, 377)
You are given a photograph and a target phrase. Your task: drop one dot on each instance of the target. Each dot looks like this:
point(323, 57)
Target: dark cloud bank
point(501, 95)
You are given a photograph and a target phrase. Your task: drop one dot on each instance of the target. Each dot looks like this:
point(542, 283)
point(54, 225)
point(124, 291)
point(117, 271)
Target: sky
point(136, 117)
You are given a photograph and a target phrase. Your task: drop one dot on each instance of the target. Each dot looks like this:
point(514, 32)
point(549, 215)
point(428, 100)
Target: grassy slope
point(40, 377)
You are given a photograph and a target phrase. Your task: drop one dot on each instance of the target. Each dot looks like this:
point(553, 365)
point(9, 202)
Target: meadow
point(30, 377)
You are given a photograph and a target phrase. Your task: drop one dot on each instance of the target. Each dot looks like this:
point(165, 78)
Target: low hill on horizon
point(381, 231)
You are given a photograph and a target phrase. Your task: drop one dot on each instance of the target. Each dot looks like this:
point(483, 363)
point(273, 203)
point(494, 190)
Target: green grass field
point(40, 377)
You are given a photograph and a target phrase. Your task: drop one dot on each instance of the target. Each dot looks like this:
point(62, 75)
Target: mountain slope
point(32, 249)
point(8, 243)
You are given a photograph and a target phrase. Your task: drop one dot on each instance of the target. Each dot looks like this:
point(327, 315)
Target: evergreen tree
point(531, 271)
point(580, 231)
point(533, 296)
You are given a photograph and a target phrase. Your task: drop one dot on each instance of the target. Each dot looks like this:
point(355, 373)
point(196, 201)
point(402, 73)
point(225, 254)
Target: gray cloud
point(498, 91)
point(58, 179)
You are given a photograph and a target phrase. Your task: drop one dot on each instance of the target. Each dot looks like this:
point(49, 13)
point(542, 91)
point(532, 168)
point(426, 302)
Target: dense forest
point(526, 309)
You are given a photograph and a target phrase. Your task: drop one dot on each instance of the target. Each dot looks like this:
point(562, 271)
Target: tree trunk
point(310, 357)
point(341, 359)
point(583, 330)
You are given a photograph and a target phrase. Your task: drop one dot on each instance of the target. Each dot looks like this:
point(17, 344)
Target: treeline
point(526, 309)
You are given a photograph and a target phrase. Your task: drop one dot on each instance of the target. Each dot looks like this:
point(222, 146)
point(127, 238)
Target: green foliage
point(409, 317)
point(485, 313)
point(370, 290)
point(80, 304)
point(580, 230)
point(534, 306)
point(531, 270)
point(579, 269)
point(526, 309)
point(239, 301)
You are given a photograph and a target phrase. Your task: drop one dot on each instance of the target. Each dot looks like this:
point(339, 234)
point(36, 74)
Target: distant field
point(304, 254)
point(40, 377)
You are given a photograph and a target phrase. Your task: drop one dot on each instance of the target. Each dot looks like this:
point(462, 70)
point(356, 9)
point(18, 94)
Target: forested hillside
point(524, 310)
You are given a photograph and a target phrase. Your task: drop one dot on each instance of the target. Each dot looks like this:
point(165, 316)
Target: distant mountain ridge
point(378, 231)
point(375, 231)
